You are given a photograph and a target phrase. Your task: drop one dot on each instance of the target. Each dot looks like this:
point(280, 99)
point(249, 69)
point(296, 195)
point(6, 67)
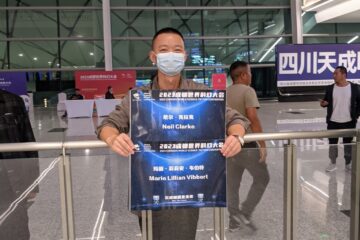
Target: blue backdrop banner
point(177, 162)
point(14, 82)
point(314, 64)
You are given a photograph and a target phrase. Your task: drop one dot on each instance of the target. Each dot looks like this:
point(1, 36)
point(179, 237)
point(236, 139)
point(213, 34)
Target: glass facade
point(62, 36)
point(334, 32)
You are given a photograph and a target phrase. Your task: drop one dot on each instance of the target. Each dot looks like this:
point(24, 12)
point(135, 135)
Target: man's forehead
point(161, 39)
point(168, 44)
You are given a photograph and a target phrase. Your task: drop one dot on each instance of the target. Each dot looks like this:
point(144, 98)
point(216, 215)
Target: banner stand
point(219, 223)
point(143, 225)
point(146, 225)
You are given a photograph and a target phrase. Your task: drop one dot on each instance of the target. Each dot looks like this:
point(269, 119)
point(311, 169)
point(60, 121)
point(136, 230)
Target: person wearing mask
point(241, 97)
point(109, 94)
point(168, 54)
point(342, 100)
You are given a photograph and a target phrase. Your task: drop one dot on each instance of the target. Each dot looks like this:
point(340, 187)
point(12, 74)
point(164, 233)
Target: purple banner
point(314, 64)
point(14, 82)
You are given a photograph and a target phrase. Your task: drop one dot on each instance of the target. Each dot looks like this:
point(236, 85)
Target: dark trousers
point(333, 148)
point(170, 224)
point(247, 159)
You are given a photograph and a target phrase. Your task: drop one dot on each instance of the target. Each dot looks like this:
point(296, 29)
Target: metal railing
point(290, 180)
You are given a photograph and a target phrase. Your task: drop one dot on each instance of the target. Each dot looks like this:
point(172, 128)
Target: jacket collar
point(155, 84)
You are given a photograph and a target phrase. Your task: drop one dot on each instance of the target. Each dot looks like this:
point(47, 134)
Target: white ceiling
point(335, 11)
point(352, 17)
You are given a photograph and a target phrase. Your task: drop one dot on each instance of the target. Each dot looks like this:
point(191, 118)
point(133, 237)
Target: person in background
point(342, 100)
point(109, 94)
point(241, 97)
point(168, 53)
point(77, 95)
point(18, 170)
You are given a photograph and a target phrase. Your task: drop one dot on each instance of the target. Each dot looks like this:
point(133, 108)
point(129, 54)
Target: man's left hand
point(231, 147)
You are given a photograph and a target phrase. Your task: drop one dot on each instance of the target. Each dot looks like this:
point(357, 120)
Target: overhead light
point(271, 25)
point(35, 58)
point(91, 54)
point(49, 63)
point(21, 55)
point(353, 39)
point(319, 5)
point(58, 64)
point(269, 50)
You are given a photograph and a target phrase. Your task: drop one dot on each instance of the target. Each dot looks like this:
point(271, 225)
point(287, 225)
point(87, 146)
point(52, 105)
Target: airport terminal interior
point(49, 40)
point(100, 182)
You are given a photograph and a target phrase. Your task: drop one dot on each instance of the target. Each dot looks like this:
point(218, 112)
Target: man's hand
point(231, 147)
point(323, 103)
point(263, 155)
point(31, 195)
point(121, 144)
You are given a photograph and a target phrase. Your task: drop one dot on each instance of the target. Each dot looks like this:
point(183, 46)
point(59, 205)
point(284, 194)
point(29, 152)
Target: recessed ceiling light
point(35, 58)
point(21, 55)
point(91, 54)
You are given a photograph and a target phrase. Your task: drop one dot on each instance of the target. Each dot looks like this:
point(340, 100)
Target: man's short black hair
point(109, 87)
point(342, 69)
point(77, 89)
point(166, 30)
point(235, 65)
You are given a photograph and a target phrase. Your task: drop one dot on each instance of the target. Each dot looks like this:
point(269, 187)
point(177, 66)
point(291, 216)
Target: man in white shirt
point(342, 100)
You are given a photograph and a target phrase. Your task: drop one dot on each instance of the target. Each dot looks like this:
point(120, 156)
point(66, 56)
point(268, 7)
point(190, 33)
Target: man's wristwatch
point(240, 138)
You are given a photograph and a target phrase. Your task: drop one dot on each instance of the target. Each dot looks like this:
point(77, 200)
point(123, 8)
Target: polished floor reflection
point(100, 183)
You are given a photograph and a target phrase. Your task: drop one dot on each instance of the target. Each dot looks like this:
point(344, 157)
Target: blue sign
point(177, 162)
point(314, 64)
point(14, 82)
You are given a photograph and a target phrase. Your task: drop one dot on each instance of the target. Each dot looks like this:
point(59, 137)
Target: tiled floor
point(100, 183)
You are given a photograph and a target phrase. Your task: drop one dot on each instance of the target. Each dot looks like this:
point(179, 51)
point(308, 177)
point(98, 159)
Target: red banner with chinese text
point(95, 83)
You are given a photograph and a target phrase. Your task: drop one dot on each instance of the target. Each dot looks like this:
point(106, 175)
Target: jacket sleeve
point(326, 95)
point(119, 118)
point(30, 166)
point(234, 117)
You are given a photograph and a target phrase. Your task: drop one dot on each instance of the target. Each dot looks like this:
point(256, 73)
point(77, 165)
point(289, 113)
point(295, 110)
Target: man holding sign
point(168, 54)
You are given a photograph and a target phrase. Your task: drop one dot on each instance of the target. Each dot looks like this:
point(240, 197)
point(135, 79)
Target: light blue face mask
point(170, 63)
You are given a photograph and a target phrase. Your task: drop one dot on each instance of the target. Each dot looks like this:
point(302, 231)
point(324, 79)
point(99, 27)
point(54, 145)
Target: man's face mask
point(170, 63)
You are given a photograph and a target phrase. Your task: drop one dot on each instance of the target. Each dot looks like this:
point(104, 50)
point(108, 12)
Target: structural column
point(296, 21)
point(107, 34)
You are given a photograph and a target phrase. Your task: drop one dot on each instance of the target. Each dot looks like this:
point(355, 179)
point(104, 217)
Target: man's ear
point(152, 57)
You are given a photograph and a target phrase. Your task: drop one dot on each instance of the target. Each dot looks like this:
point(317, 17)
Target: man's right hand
point(121, 144)
point(323, 103)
